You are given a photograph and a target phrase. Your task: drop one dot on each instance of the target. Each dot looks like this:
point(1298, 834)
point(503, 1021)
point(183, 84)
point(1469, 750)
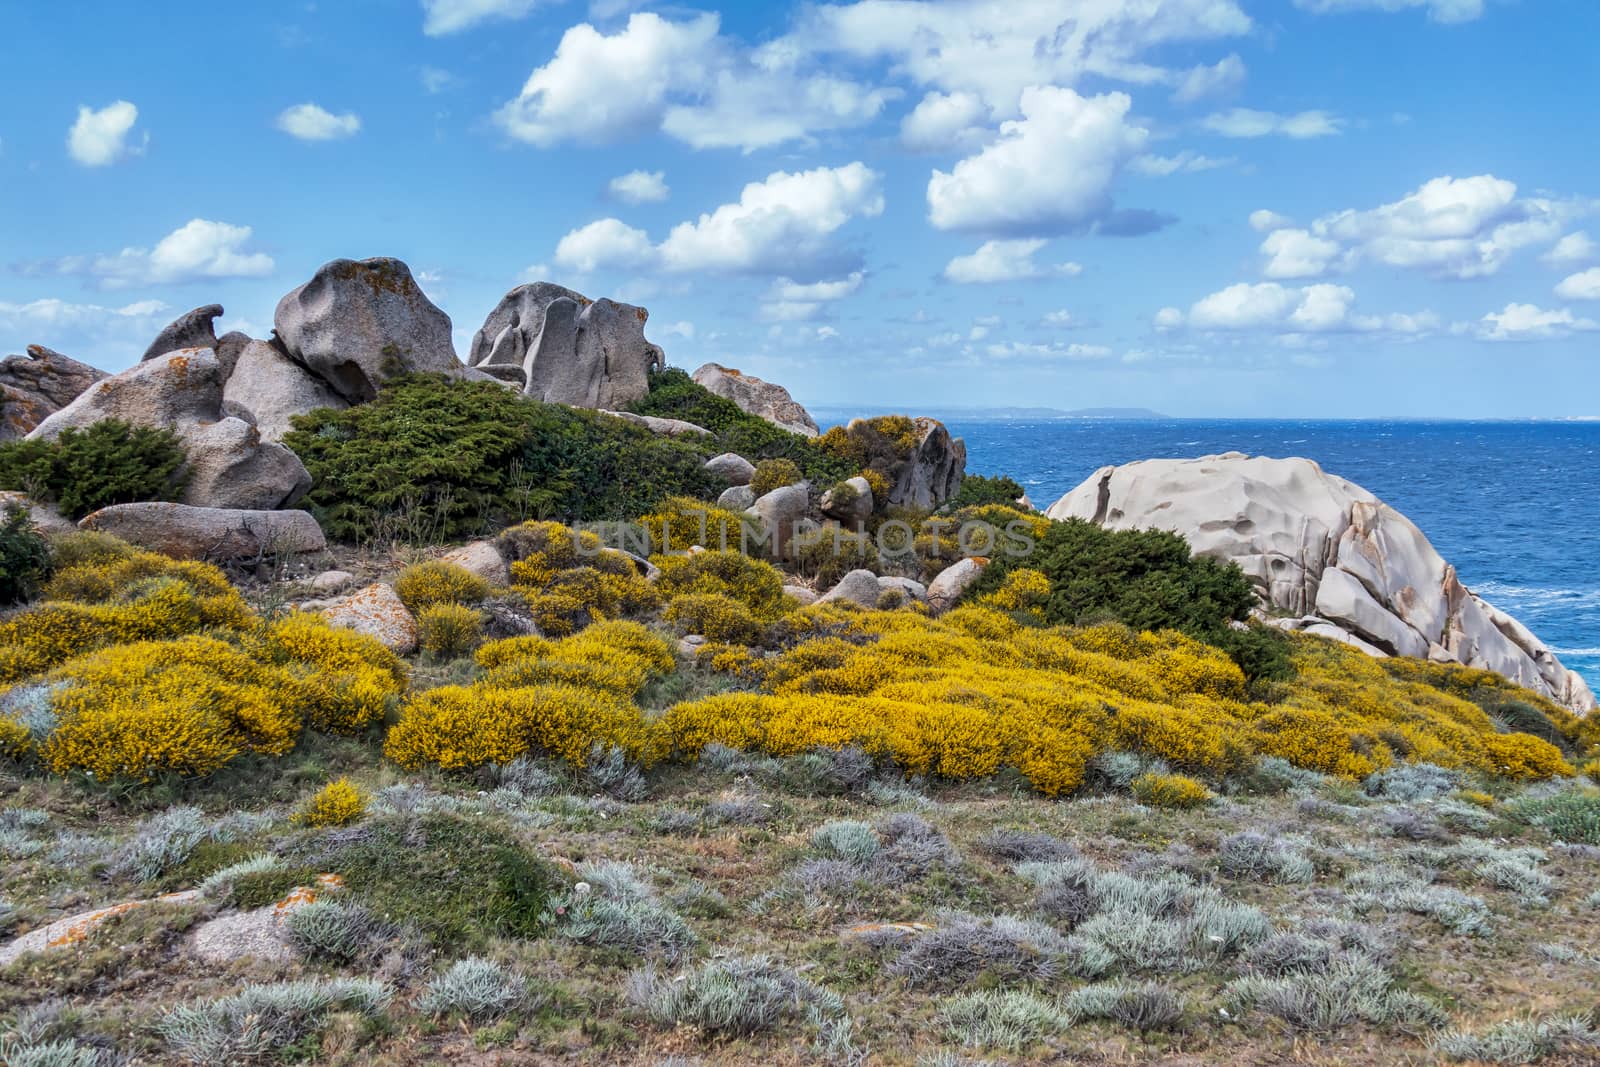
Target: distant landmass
point(1006, 412)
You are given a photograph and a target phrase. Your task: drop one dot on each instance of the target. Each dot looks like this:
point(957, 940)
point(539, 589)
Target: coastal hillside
point(361, 704)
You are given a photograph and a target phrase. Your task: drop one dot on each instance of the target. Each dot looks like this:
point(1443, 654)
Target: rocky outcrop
point(858, 587)
point(35, 386)
point(75, 930)
point(779, 515)
point(480, 558)
point(766, 399)
point(229, 465)
point(45, 519)
point(1322, 551)
point(196, 329)
point(377, 612)
point(933, 472)
point(185, 532)
point(356, 324)
point(268, 388)
point(571, 350)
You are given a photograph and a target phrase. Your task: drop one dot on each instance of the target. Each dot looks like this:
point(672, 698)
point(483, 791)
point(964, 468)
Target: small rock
point(332, 581)
point(913, 589)
point(482, 559)
point(851, 503)
point(946, 589)
point(185, 532)
point(46, 519)
point(732, 468)
point(377, 612)
point(859, 586)
point(801, 593)
point(690, 644)
point(737, 498)
point(260, 933)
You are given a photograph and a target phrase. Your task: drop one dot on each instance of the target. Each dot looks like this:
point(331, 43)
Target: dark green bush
point(81, 471)
point(24, 557)
point(979, 489)
point(435, 459)
point(1146, 579)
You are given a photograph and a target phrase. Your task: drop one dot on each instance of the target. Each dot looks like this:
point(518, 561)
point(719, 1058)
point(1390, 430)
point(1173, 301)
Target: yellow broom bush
point(339, 803)
point(1170, 791)
point(680, 522)
point(422, 585)
point(447, 630)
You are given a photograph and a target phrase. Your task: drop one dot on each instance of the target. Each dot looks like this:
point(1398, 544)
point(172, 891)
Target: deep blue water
point(1515, 506)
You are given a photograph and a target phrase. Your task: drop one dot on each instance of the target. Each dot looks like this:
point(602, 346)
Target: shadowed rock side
point(270, 388)
point(229, 465)
point(570, 349)
point(357, 323)
point(768, 400)
point(1328, 553)
point(35, 386)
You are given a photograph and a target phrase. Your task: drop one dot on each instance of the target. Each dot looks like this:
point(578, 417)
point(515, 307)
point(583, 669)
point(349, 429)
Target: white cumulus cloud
point(780, 227)
point(1288, 310)
point(1049, 172)
point(1247, 122)
point(639, 187)
point(310, 122)
point(100, 138)
point(1264, 221)
point(442, 17)
point(1585, 285)
point(1528, 322)
point(792, 301)
point(1577, 247)
point(197, 250)
point(1295, 253)
point(943, 122)
point(1004, 261)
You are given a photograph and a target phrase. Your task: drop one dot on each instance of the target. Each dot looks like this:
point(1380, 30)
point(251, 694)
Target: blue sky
point(1207, 207)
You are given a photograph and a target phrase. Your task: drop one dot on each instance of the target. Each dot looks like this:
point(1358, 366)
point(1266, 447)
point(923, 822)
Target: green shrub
point(81, 471)
point(1148, 580)
point(980, 489)
point(24, 557)
point(435, 459)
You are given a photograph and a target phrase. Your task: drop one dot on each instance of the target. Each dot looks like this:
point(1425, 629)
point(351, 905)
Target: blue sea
point(1515, 506)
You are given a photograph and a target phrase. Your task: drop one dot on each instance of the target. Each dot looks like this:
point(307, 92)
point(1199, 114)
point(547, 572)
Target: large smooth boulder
point(229, 465)
point(858, 587)
point(268, 388)
point(194, 329)
point(376, 611)
point(731, 468)
point(768, 400)
point(35, 386)
point(850, 502)
point(1320, 548)
point(572, 350)
point(185, 532)
point(737, 498)
point(357, 323)
point(948, 585)
point(780, 514)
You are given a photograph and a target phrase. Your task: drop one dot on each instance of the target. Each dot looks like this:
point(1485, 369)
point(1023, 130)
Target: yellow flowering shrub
point(457, 727)
point(719, 618)
point(1478, 797)
point(755, 584)
point(15, 741)
point(878, 481)
point(422, 585)
point(1022, 589)
point(1170, 791)
point(1524, 756)
point(680, 522)
point(345, 681)
point(773, 474)
point(729, 659)
point(104, 579)
point(1318, 741)
point(187, 706)
point(447, 630)
point(339, 803)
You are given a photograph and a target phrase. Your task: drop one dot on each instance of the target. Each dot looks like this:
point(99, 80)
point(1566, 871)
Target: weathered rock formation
point(948, 585)
point(766, 399)
point(850, 503)
point(1324, 552)
point(570, 349)
point(665, 427)
point(185, 532)
point(731, 468)
point(35, 386)
point(377, 612)
point(229, 465)
point(357, 323)
point(934, 470)
point(195, 329)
